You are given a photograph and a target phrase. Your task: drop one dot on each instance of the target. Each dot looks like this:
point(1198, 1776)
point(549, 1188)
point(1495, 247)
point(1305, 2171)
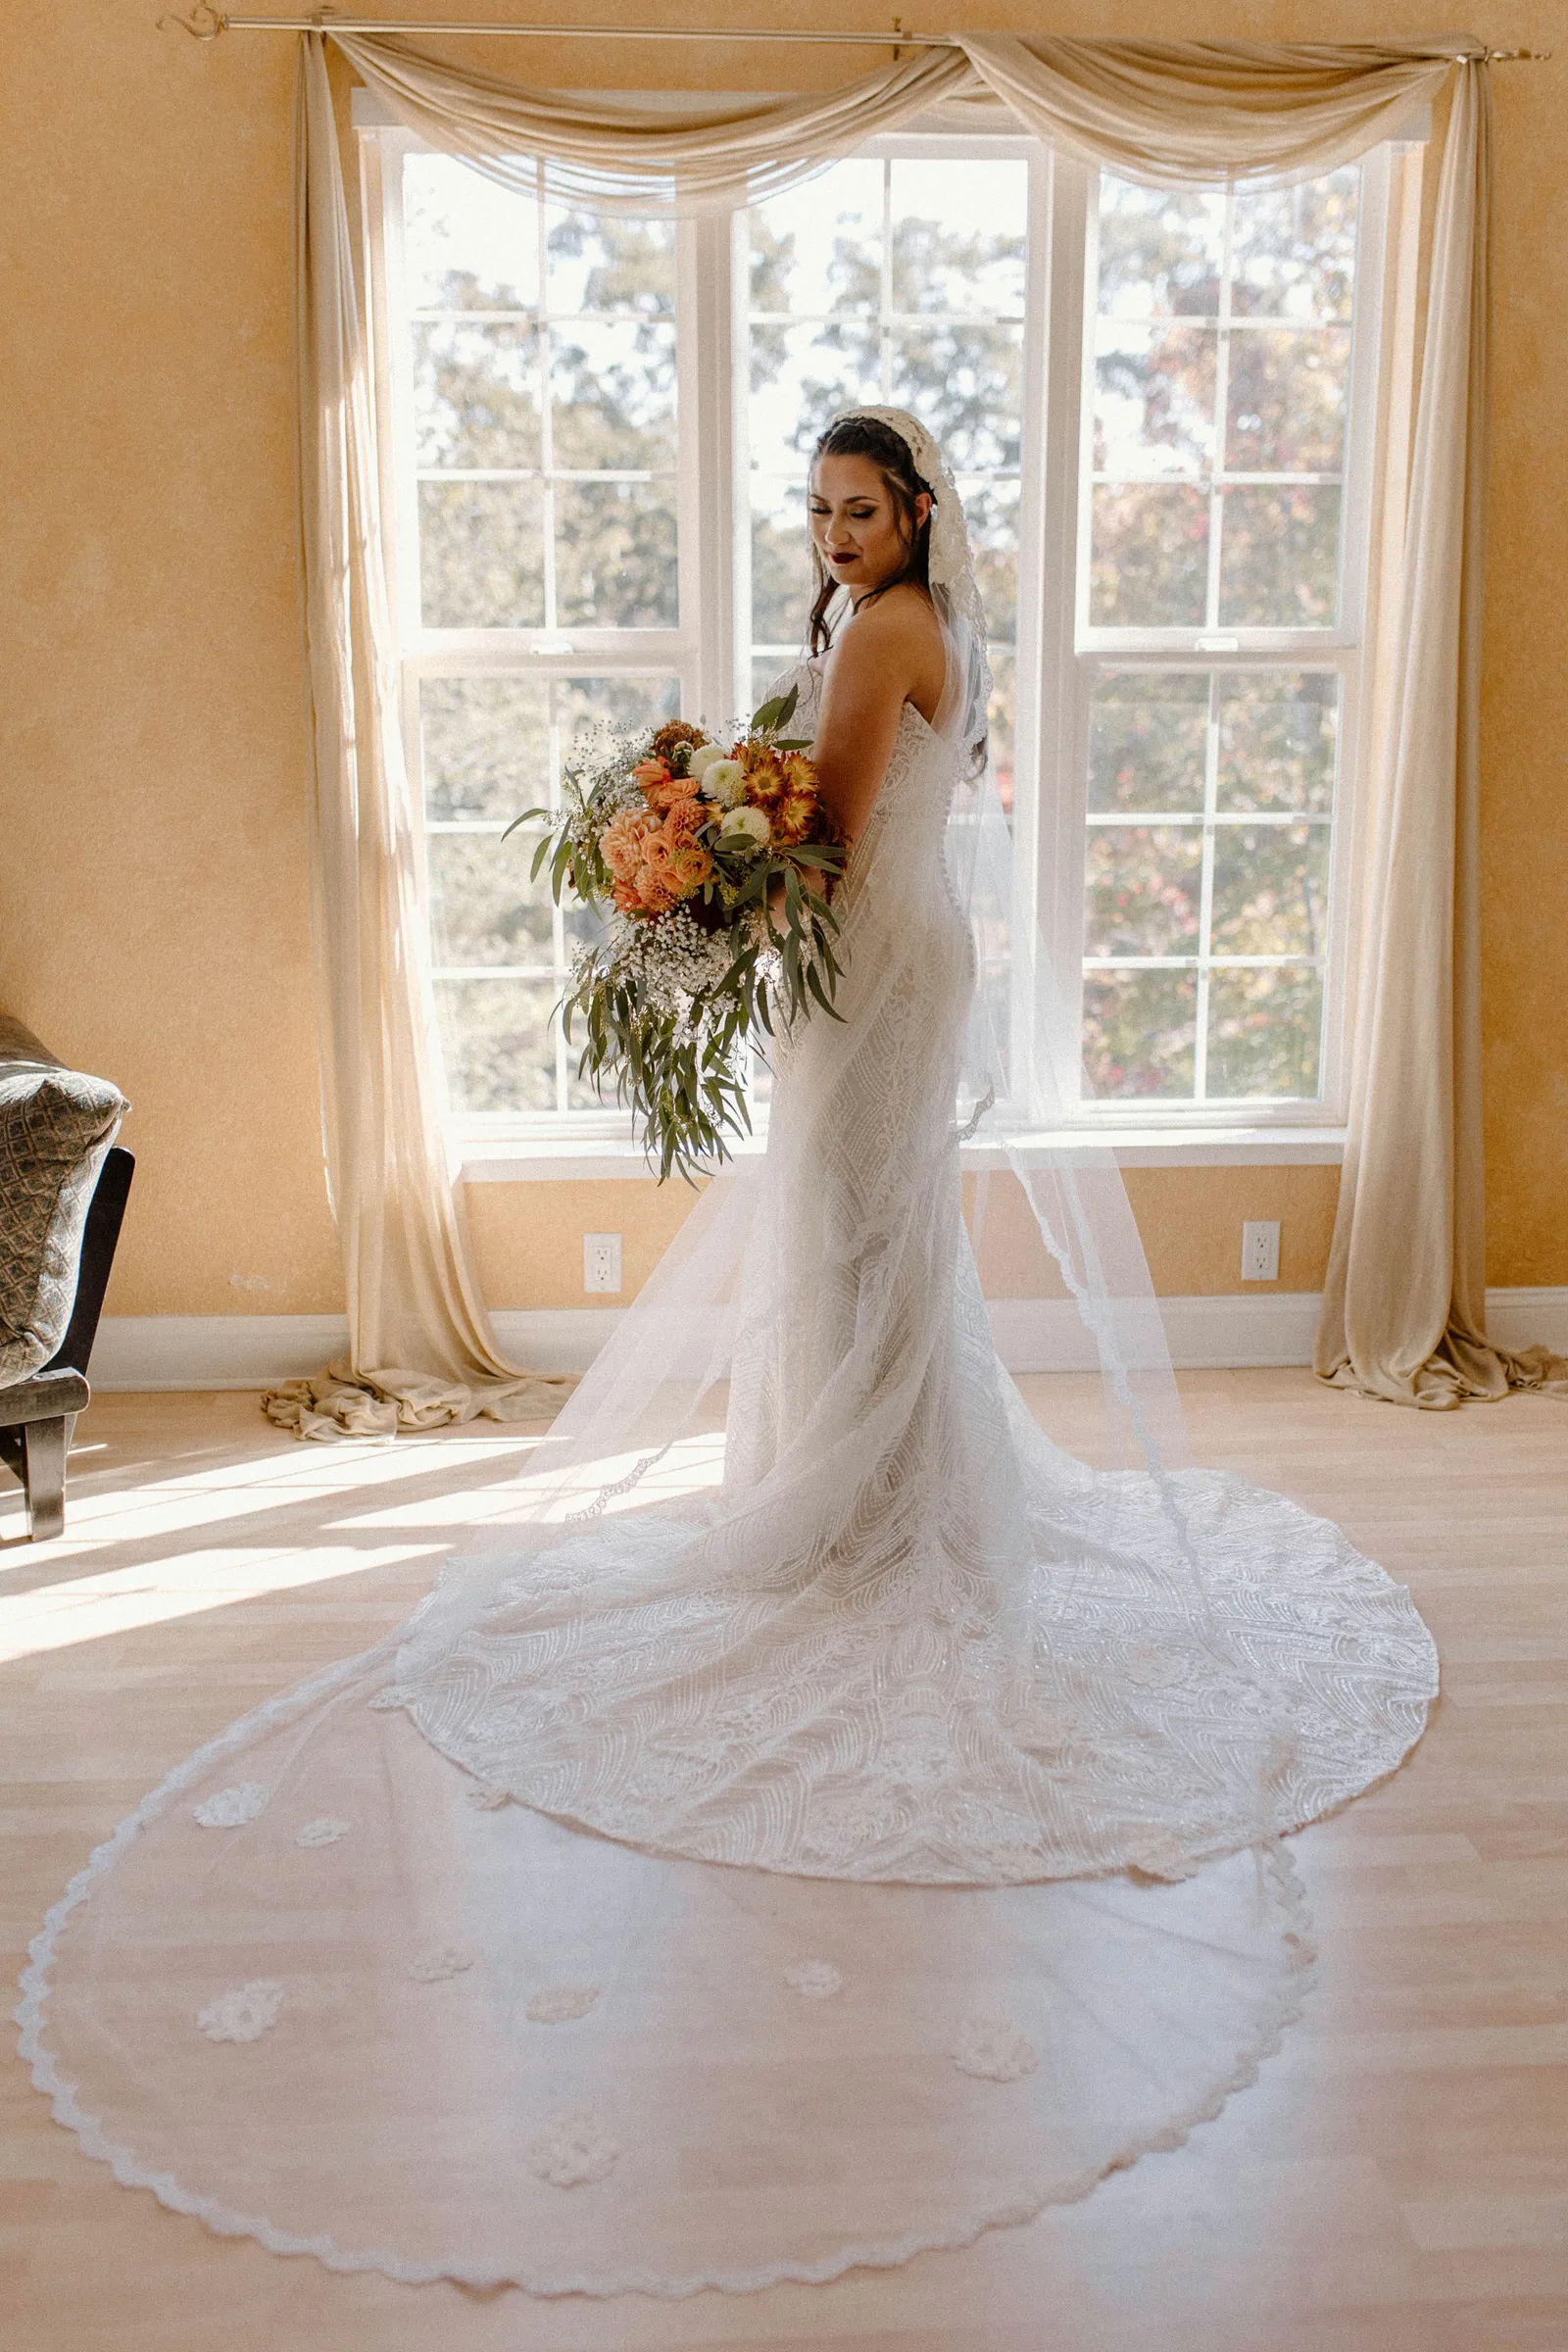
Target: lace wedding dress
point(822, 1820)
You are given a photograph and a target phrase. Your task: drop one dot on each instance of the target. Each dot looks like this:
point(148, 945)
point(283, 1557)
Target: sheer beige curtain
point(1406, 1266)
point(421, 1346)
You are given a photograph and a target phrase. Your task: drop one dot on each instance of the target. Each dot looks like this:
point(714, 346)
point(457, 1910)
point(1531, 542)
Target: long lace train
point(824, 1821)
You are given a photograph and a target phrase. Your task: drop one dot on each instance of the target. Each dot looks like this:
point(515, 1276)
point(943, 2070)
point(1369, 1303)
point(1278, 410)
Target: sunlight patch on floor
point(689, 1466)
point(122, 1601)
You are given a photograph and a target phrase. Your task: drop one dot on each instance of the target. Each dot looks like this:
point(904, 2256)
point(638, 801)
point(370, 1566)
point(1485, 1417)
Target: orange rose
point(672, 792)
point(620, 844)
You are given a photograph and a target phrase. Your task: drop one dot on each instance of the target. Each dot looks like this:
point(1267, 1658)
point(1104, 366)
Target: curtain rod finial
point(204, 24)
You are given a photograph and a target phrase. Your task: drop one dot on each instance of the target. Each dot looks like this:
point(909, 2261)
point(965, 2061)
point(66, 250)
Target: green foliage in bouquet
point(703, 860)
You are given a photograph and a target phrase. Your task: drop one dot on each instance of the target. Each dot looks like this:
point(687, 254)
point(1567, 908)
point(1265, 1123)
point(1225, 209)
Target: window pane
point(991, 511)
point(615, 562)
point(613, 394)
point(1271, 889)
point(819, 248)
point(582, 705)
point(498, 1044)
point(1279, 557)
point(766, 670)
point(1278, 740)
point(1161, 250)
point(1150, 561)
point(598, 261)
point(468, 244)
point(1264, 1028)
point(483, 907)
point(1154, 399)
point(1144, 886)
point(965, 384)
point(485, 745)
point(475, 394)
point(481, 554)
point(958, 242)
point(781, 576)
point(1138, 1033)
point(801, 378)
point(1147, 737)
point(1294, 249)
point(1289, 389)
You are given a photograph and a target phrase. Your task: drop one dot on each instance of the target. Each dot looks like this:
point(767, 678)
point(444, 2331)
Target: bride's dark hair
point(888, 453)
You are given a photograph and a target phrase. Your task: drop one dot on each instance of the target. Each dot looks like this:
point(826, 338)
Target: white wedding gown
point(867, 1841)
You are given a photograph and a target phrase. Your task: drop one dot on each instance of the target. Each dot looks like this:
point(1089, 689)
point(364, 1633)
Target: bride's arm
point(890, 654)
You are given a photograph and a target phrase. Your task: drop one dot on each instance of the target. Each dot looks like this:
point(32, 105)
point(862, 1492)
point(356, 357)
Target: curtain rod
point(204, 23)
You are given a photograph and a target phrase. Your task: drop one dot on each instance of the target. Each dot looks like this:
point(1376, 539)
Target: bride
point(821, 1817)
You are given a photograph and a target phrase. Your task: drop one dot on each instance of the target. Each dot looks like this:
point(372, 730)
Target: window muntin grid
point(1218, 401)
point(1208, 881)
point(1218, 370)
point(543, 399)
point(491, 746)
point(536, 369)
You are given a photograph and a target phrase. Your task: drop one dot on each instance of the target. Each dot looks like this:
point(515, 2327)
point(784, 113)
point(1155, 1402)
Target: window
point(537, 456)
point(1216, 606)
point(1158, 405)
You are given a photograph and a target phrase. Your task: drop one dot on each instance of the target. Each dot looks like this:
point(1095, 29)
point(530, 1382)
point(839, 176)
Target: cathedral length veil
point(822, 1817)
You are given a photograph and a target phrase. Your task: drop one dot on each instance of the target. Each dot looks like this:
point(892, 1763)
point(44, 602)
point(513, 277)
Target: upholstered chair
point(63, 1188)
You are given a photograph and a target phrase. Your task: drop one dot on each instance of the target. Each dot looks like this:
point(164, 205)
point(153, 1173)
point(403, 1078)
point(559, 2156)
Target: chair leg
point(45, 1446)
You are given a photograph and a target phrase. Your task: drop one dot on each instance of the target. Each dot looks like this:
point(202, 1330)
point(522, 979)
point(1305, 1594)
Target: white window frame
point(1073, 650)
point(1057, 653)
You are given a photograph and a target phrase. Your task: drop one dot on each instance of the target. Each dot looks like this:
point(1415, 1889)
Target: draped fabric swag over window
point(1403, 1314)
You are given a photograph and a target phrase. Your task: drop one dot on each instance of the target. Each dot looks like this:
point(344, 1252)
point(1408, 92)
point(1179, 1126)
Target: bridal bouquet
point(701, 857)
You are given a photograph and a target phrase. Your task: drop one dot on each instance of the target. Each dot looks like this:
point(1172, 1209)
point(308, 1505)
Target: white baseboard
point(212, 1352)
point(1529, 1319)
point(554, 1338)
point(252, 1352)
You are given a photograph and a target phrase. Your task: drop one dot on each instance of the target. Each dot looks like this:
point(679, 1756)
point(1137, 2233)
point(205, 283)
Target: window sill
point(546, 1160)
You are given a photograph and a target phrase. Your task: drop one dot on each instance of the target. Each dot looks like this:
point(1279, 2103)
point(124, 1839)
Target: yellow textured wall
point(153, 884)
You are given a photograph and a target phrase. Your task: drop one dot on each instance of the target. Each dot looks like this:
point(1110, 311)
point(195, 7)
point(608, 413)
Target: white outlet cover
point(1260, 1250)
point(601, 1262)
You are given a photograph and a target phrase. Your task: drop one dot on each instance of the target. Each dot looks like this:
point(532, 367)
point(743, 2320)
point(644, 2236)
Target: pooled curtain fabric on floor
point(1402, 1318)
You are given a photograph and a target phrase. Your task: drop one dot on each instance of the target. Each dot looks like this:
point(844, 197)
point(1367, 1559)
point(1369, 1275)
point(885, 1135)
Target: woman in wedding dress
point(822, 1819)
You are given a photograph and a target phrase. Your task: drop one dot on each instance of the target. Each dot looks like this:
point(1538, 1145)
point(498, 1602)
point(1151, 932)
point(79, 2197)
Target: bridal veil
point(821, 1817)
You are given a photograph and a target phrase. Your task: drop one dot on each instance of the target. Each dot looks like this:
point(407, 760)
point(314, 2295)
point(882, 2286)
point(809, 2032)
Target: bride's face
point(856, 526)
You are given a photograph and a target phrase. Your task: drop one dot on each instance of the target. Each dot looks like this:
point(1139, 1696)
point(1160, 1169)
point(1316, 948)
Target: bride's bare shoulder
point(896, 639)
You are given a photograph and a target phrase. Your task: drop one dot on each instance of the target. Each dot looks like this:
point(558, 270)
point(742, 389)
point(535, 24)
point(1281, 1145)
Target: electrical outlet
point(1261, 1252)
point(601, 1262)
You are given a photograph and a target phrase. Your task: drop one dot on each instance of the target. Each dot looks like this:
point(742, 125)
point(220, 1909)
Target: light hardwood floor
point(1396, 2181)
